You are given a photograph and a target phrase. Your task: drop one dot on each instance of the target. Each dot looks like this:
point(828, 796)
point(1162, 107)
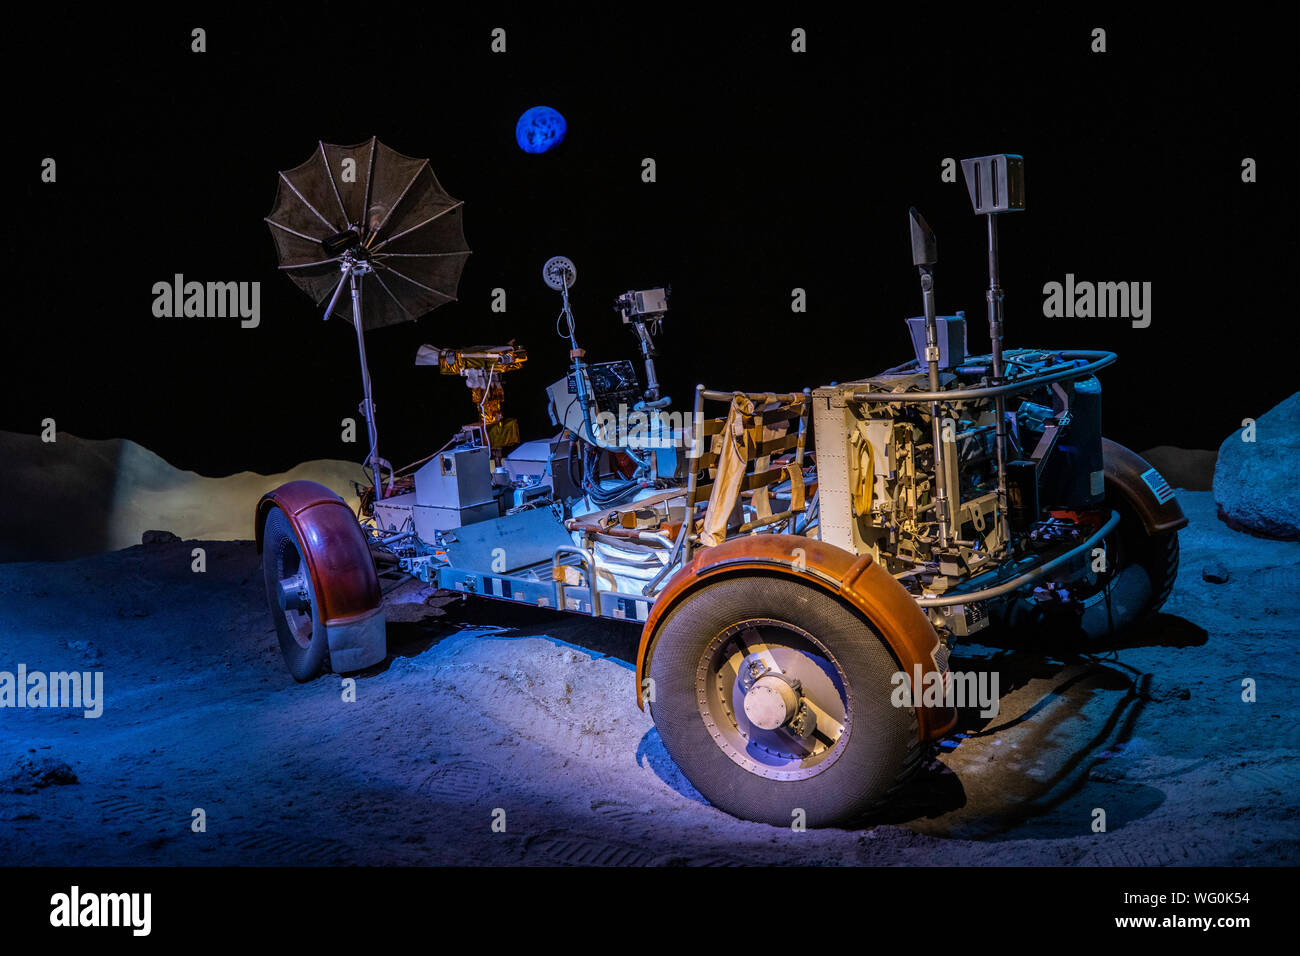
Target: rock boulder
point(1257, 483)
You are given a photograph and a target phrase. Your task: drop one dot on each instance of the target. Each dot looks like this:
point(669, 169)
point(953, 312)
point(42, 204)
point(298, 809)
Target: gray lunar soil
point(483, 707)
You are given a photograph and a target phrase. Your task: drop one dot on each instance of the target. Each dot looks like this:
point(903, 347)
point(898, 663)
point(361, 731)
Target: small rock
point(158, 537)
point(32, 774)
point(1215, 573)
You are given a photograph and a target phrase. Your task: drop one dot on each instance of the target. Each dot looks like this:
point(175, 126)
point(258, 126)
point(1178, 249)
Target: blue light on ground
point(540, 129)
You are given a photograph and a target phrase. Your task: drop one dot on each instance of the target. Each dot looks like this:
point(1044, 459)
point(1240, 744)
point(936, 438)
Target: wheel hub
point(774, 699)
point(293, 593)
point(771, 702)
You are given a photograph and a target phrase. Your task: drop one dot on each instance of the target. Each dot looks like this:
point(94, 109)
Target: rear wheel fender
point(1132, 479)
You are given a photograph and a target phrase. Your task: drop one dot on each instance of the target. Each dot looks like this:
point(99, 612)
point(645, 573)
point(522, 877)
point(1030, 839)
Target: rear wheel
point(1112, 604)
point(1145, 568)
point(291, 594)
point(1158, 556)
point(775, 698)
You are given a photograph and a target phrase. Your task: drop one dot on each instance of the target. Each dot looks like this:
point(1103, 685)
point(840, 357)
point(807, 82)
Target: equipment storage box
point(951, 333)
point(454, 489)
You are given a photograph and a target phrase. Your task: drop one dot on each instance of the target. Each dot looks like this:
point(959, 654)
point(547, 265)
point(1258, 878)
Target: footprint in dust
point(463, 782)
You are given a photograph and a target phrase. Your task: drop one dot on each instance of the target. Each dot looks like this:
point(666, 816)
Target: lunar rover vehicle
point(790, 557)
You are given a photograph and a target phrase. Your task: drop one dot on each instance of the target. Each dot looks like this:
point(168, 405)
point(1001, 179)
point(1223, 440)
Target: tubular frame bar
point(1014, 584)
point(784, 398)
point(588, 565)
point(1096, 361)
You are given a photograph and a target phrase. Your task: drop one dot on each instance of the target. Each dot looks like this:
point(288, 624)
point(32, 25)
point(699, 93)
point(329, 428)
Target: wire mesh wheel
point(776, 700)
point(291, 594)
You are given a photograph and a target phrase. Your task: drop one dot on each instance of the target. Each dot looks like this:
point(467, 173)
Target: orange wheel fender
point(858, 581)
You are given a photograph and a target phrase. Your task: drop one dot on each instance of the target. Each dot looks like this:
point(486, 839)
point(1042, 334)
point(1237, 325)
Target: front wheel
point(1117, 603)
point(291, 595)
point(776, 700)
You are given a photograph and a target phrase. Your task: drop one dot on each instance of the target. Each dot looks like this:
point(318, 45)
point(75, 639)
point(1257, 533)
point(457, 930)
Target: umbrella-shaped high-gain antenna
point(370, 218)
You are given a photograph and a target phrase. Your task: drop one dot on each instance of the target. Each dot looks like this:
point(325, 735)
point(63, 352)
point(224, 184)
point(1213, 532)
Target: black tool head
point(925, 250)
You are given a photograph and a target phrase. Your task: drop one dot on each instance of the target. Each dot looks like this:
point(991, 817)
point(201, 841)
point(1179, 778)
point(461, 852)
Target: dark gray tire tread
point(304, 663)
point(882, 751)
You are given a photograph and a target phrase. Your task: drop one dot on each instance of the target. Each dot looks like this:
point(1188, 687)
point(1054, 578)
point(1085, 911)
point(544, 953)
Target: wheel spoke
point(828, 728)
point(752, 644)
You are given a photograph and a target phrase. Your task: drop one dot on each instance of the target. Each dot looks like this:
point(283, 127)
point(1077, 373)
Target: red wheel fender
point(334, 546)
point(1131, 477)
point(858, 581)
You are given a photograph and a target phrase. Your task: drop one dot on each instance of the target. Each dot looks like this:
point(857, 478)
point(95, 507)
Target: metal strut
point(353, 269)
point(994, 296)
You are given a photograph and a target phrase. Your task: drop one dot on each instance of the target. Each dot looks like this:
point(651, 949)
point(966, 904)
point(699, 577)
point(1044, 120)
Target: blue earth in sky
point(540, 129)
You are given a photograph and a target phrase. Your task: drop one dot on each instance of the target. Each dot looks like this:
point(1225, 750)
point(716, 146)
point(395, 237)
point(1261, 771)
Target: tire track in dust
point(129, 811)
point(1181, 855)
point(135, 817)
point(566, 849)
point(639, 849)
point(276, 847)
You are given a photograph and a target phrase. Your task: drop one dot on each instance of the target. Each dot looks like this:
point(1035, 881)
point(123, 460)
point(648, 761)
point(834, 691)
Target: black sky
point(775, 171)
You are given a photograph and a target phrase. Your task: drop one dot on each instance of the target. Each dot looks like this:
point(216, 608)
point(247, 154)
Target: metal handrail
point(1096, 361)
point(589, 561)
point(1014, 584)
point(714, 395)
